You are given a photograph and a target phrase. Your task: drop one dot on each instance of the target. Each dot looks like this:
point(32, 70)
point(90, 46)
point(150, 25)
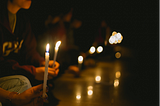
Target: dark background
point(137, 20)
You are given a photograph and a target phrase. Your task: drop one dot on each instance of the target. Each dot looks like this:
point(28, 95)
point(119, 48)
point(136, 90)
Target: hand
point(51, 64)
point(30, 97)
point(56, 65)
point(52, 72)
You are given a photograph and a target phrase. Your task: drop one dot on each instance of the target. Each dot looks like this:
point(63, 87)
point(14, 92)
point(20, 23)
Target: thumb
point(38, 87)
point(37, 90)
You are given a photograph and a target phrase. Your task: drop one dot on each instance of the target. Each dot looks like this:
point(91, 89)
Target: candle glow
point(99, 49)
point(47, 48)
point(116, 83)
point(90, 92)
point(98, 79)
point(118, 74)
point(78, 96)
point(92, 50)
point(115, 38)
point(80, 59)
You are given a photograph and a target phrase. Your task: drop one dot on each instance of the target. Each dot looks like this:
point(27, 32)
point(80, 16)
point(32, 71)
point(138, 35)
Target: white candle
point(56, 50)
point(46, 70)
point(80, 61)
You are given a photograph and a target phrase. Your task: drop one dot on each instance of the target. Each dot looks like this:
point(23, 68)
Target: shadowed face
point(25, 4)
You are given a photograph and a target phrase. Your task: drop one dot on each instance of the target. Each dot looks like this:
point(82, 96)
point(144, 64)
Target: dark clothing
point(18, 49)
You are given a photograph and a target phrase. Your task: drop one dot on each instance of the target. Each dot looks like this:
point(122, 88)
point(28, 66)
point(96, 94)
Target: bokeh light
point(92, 50)
point(116, 83)
point(118, 55)
point(115, 38)
point(98, 79)
point(90, 87)
point(78, 97)
point(118, 74)
point(80, 59)
point(90, 92)
point(99, 49)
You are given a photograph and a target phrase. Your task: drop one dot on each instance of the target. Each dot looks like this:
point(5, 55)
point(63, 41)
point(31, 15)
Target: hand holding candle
point(56, 50)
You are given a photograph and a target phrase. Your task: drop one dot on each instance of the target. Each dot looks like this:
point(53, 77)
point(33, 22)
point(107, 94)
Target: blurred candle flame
point(47, 47)
point(116, 83)
point(115, 38)
point(80, 59)
point(118, 74)
point(57, 45)
point(92, 50)
point(90, 92)
point(99, 49)
point(78, 97)
point(98, 78)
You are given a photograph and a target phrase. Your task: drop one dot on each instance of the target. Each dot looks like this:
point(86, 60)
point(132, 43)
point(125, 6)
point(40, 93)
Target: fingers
point(56, 65)
point(52, 73)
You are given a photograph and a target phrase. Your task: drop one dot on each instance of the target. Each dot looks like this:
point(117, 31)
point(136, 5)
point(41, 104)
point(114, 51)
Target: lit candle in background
point(115, 38)
point(56, 50)
point(80, 61)
point(98, 79)
point(99, 49)
point(78, 96)
point(116, 83)
point(92, 50)
point(118, 74)
point(90, 90)
point(46, 70)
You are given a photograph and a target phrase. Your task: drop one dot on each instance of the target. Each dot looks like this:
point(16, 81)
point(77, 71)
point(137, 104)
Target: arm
point(29, 97)
point(4, 95)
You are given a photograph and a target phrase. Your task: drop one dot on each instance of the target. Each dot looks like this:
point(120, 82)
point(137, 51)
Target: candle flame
point(90, 92)
point(78, 97)
point(98, 79)
point(57, 45)
point(116, 83)
point(92, 50)
point(47, 47)
point(80, 59)
point(118, 74)
point(99, 49)
point(115, 38)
